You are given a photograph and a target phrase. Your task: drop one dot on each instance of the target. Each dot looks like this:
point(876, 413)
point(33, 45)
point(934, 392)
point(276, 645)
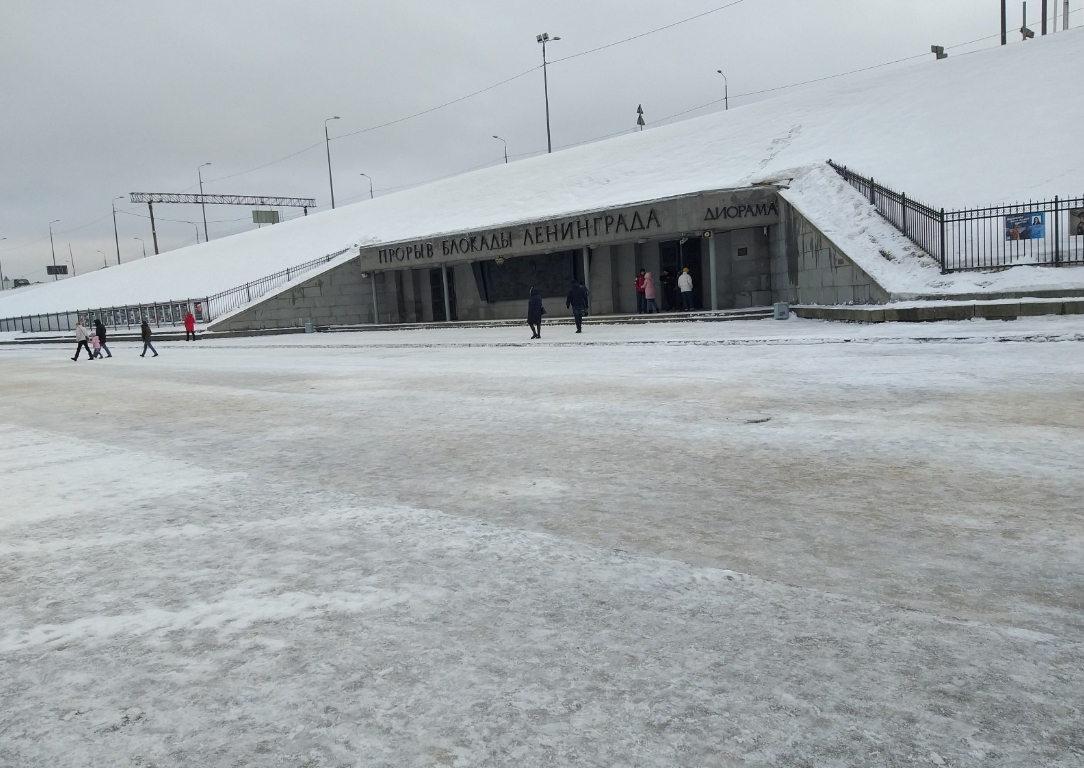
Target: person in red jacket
point(189, 327)
point(639, 284)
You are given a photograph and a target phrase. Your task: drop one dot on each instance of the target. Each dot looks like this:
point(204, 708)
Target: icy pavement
point(770, 547)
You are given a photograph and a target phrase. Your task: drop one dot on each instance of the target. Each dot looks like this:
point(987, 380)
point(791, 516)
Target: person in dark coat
point(535, 310)
point(669, 288)
point(577, 300)
point(145, 333)
point(99, 329)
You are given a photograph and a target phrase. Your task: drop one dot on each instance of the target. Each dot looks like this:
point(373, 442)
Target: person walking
point(82, 339)
point(99, 331)
point(685, 284)
point(145, 333)
point(577, 300)
point(189, 327)
point(639, 285)
point(649, 294)
point(535, 310)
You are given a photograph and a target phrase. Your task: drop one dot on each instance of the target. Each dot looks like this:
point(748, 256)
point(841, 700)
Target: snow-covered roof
point(995, 126)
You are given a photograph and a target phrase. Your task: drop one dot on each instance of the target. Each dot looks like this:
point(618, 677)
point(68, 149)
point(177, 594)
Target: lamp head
point(540, 38)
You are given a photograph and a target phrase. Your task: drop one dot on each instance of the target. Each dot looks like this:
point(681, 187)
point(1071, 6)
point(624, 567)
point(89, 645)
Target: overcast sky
point(104, 98)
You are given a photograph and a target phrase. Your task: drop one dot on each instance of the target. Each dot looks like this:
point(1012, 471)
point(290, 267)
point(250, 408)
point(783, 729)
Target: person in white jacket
point(685, 285)
point(81, 339)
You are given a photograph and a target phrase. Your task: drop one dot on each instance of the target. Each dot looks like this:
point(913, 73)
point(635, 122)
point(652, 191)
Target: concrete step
point(914, 312)
point(755, 313)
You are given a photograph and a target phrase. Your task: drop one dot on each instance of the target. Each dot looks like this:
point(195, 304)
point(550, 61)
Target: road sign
point(265, 217)
point(60, 269)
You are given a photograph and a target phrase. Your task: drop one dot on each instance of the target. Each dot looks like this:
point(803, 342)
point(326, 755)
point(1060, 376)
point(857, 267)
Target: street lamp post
point(116, 238)
point(726, 91)
point(370, 178)
point(498, 138)
point(51, 247)
point(140, 239)
point(327, 143)
point(197, 233)
point(72, 256)
point(104, 262)
point(543, 39)
point(201, 205)
point(2, 270)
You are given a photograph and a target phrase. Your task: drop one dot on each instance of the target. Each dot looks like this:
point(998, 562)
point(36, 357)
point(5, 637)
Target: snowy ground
point(782, 544)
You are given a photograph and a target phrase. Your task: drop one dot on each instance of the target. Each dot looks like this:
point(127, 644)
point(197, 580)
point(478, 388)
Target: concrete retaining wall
point(340, 296)
point(808, 268)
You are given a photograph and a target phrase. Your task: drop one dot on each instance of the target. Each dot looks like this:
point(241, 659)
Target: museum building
point(742, 247)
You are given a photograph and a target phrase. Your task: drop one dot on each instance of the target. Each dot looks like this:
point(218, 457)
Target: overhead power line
point(649, 32)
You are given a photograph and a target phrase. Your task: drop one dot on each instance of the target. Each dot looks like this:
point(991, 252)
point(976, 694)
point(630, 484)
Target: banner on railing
point(1025, 226)
point(1076, 222)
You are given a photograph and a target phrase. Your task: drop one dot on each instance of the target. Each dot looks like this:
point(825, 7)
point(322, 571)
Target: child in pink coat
point(649, 293)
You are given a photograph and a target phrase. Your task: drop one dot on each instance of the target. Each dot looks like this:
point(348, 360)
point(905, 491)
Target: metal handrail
point(169, 313)
point(1036, 233)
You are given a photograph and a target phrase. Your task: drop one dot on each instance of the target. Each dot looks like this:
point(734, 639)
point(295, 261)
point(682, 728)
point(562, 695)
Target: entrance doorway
point(674, 255)
point(436, 289)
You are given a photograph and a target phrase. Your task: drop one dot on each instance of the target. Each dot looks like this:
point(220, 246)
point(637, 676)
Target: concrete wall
point(340, 296)
point(743, 269)
point(808, 268)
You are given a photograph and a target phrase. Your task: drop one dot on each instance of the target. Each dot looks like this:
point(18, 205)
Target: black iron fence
point(1039, 233)
point(235, 298)
point(166, 313)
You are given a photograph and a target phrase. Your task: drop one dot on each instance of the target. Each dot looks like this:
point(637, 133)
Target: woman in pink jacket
point(649, 293)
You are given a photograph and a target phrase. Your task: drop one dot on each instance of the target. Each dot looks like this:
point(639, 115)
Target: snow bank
point(939, 131)
point(854, 225)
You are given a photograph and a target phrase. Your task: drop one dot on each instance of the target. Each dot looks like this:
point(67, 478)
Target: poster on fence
point(1025, 226)
point(1076, 222)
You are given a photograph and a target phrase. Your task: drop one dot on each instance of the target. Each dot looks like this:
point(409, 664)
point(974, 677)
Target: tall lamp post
point(140, 239)
point(116, 238)
point(72, 255)
point(370, 178)
point(543, 39)
point(327, 143)
point(201, 205)
point(726, 91)
point(2, 270)
point(197, 234)
point(498, 138)
point(51, 246)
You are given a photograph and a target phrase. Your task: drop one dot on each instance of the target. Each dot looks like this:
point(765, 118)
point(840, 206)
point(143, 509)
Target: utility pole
point(1065, 16)
point(2, 270)
point(72, 255)
point(52, 248)
point(726, 91)
point(1045, 11)
point(201, 205)
point(327, 143)
point(1004, 23)
point(498, 138)
point(115, 237)
point(545, 38)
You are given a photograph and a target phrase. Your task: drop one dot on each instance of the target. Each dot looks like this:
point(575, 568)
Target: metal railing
point(235, 298)
point(164, 313)
point(1040, 233)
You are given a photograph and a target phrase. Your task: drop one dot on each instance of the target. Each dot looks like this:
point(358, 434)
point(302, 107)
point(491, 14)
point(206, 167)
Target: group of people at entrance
point(95, 343)
point(670, 288)
point(576, 300)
